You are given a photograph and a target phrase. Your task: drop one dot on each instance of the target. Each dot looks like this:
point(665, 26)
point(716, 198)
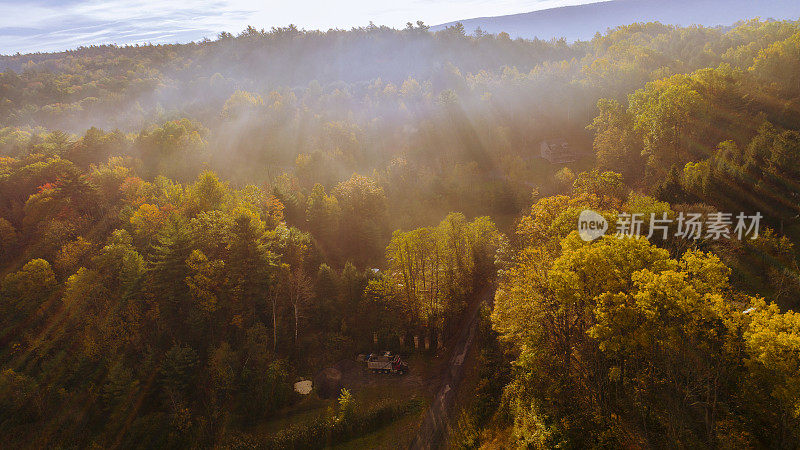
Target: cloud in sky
point(51, 25)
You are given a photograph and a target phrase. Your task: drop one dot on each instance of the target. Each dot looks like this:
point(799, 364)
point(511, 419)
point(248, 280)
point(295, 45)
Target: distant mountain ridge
point(581, 22)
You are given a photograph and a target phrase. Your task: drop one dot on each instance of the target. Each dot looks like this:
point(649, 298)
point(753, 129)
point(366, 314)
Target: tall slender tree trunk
point(274, 324)
point(296, 321)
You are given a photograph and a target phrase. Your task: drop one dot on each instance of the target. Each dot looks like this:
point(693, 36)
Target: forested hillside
point(187, 230)
point(583, 20)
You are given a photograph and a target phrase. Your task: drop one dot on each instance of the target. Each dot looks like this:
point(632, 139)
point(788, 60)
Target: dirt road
point(433, 428)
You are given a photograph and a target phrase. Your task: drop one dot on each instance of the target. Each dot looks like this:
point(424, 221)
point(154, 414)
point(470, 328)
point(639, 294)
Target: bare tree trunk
point(274, 324)
point(295, 324)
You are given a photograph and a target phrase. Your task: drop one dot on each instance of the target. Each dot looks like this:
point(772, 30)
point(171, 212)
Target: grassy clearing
point(388, 408)
point(339, 428)
point(398, 434)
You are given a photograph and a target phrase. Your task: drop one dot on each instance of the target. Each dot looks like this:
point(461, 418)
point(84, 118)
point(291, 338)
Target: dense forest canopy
point(185, 230)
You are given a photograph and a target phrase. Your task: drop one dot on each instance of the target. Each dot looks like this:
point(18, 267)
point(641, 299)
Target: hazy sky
point(48, 25)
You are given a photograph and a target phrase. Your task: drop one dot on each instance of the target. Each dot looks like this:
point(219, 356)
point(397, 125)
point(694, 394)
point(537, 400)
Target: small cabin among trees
point(557, 151)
